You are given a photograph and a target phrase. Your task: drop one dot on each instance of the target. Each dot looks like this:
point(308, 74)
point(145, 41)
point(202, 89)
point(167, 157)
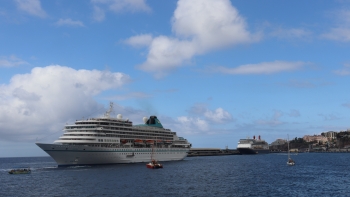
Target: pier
point(194, 152)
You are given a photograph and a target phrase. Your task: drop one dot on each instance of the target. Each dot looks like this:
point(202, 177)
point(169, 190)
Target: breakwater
point(194, 152)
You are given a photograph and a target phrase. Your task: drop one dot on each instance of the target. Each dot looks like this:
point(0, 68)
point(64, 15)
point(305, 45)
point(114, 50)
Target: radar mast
point(110, 110)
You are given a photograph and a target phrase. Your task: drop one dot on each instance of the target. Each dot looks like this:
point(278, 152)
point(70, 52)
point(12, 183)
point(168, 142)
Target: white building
point(331, 134)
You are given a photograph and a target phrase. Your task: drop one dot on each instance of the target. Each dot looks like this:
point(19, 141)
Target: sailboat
point(290, 161)
point(154, 163)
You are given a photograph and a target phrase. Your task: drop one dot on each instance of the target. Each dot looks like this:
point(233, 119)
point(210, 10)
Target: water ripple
point(237, 175)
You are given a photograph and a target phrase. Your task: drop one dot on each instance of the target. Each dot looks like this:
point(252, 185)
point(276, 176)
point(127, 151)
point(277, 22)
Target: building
point(318, 138)
point(330, 135)
point(347, 130)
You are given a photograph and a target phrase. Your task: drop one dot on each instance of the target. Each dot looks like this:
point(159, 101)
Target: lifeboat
point(138, 141)
point(149, 141)
point(160, 142)
point(168, 141)
point(124, 141)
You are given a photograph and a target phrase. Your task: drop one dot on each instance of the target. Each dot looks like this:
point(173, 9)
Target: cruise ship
point(253, 146)
point(109, 140)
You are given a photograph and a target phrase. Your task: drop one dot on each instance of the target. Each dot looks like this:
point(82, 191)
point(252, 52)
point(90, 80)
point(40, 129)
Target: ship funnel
point(254, 137)
point(153, 121)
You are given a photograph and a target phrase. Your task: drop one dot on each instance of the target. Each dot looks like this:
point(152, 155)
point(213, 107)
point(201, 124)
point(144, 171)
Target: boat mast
point(288, 147)
point(152, 154)
point(153, 150)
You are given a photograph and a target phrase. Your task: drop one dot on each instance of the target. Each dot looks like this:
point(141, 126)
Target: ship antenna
point(110, 110)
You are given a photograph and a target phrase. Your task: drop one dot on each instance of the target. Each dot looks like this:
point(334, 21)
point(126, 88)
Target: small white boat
point(290, 161)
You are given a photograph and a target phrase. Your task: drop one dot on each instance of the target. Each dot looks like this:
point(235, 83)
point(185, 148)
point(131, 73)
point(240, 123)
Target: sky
point(212, 71)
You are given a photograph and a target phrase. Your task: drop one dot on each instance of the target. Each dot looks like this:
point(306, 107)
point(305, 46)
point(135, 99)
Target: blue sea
point(315, 174)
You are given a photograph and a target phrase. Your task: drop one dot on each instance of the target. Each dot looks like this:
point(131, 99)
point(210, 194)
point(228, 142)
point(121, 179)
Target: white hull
point(66, 155)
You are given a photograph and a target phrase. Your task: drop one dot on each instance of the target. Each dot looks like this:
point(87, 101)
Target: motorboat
point(20, 171)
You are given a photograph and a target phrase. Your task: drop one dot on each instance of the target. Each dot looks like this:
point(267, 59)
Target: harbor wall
point(194, 152)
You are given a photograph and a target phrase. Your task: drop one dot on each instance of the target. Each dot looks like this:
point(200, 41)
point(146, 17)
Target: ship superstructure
point(109, 140)
point(253, 146)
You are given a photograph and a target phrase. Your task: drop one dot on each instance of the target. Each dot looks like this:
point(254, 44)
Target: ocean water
point(315, 174)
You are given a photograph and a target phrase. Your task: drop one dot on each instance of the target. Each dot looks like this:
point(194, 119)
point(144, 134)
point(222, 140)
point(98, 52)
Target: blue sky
point(213, 71)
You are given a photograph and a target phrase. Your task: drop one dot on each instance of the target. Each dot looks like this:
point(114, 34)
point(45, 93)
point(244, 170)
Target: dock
point(194, 152)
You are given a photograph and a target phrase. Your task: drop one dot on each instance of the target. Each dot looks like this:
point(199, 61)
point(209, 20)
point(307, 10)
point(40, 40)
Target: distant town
point(330, 141)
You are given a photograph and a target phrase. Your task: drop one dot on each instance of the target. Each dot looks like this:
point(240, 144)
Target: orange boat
point(154, 164)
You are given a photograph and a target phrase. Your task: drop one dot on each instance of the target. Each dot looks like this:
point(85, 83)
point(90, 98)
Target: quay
point(194, 152)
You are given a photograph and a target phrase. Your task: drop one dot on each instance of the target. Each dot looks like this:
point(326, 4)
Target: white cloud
point(199, 26)
point(327, 117)
point(344, 16)
point(198, 109)
point(166, 54)
point(302, 83)
point(32, 7)
point(261, 68)
point(129, 5)
point(131, 95)
point(338, 34)
point(192, 125)
point(2, 13)
point(341, 31)
point(98, 14)
point(42, 101)
point(273, 121)
point(11, 61)
point(307, 83)
point(218, 116)
point(118, 6)
point(346, 105)
point(211, 24)
point(69, 22)
point(290, 33)
point(344, 71)
point(140, 41)
point(294, 113)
